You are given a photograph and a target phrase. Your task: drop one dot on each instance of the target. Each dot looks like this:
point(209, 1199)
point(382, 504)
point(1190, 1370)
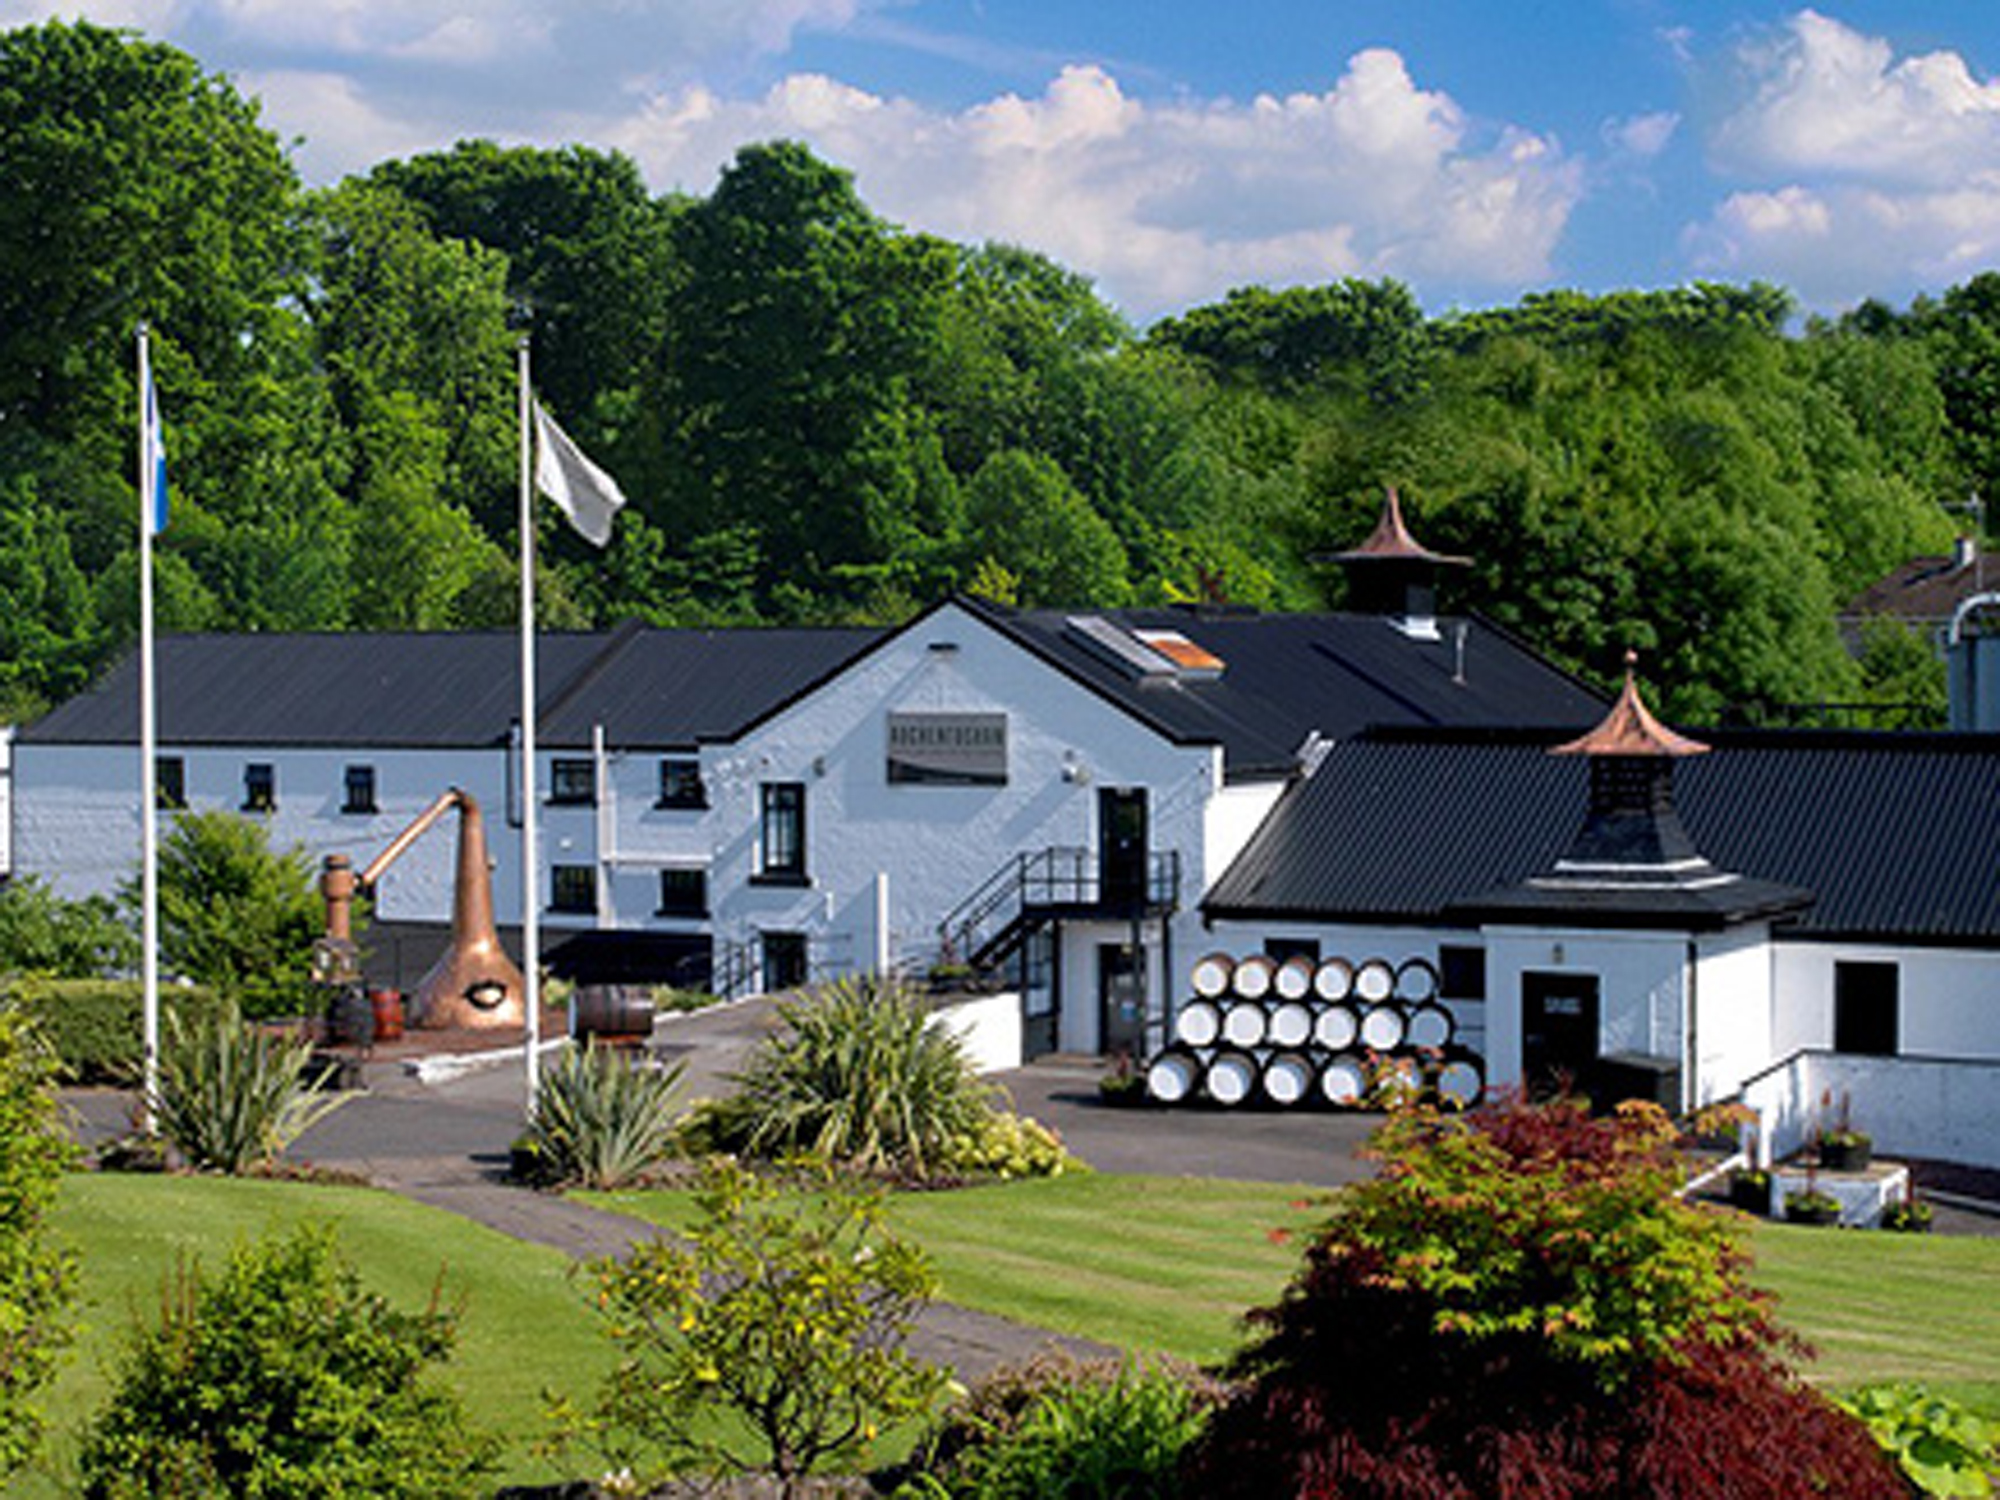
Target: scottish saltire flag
point(155, 498)
point(586, 494)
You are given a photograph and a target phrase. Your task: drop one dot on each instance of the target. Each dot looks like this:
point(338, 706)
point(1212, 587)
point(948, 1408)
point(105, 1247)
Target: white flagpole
point(531, 936)
point(149, 812)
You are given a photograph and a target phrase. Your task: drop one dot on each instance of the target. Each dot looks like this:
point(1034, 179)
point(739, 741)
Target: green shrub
point(42, 933)
point(1060, 1429)
point(1941, 1447)
point(602, 1119)
point(858, 1075)
point(37, 1277)
point(96, 1027)
point(232, 1095)
point(284, 1377)
point(785, 1310)
point(1007, 1146)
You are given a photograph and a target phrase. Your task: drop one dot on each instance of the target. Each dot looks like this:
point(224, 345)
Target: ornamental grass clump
point(1520, 1304)
point(858, 1075)
point(603, 1118)
point(234, 1096)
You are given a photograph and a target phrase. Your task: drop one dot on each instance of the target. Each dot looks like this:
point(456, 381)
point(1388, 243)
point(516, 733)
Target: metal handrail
point(1061, 875)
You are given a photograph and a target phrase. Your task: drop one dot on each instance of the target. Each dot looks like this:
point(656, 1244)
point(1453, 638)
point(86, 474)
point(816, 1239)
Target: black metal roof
point(1897, 837)
point(396, 690)
point(1287, 678)
point(439, 690)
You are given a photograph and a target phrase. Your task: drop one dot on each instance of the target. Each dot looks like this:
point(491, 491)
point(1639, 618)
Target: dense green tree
point(1360, 335)
point(1025, 515)
point(787, 374)
point(235, 914)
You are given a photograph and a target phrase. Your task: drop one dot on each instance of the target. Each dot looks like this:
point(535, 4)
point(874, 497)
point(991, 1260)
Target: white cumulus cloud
point(1865, 172)
point(1169, 202)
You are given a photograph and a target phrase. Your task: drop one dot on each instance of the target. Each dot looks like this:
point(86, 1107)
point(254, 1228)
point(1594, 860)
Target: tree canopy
point(820, 416)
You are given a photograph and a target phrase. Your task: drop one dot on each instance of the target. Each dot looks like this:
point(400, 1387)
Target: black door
point(1121, 846)
point(1559, 1014)
point(1121, 999)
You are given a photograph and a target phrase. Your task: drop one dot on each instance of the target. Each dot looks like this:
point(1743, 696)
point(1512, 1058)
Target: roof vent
point(1130, 655)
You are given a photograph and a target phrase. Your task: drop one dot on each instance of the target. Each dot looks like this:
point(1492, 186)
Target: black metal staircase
point(1046, 885)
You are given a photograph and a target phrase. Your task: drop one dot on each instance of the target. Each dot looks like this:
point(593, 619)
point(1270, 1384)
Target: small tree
point(235, 914)
point(1519, 1303)
point(783, 1310)
point(284, 1376)
point(37, 1277)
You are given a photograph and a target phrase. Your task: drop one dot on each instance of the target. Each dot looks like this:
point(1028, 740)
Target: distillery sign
point(948, 749)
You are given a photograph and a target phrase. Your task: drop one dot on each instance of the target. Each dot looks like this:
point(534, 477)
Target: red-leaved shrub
point(1518, 1305)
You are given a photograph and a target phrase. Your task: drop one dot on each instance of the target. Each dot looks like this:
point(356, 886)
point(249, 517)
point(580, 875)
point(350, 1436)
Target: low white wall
point(989, 1026)
point(1941, 1108)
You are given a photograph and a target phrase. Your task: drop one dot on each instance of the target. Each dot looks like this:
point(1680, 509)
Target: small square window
point(683, 893)
point(260, 787)
point(680, 784)
point(572, 781)
point(360, 790)
point(1461, 973)
point(170, 783)
point(572, 888)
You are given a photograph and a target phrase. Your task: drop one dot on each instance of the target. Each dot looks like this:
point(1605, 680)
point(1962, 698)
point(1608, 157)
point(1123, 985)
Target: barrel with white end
point(1171, 1077)
point(1288, 1079)
point(1230, 1078)
point(1374, 981)
point(1253, 976)
point(1429, 1026)
point(1460, 1082)
point(1333, 980)
point(1336, 1028)
point(1291, 1025)
point(1416, 981)
point(1343, 1083)
point(1199, 1023)
point(1294, 979)
point(1244, 1023)
point(1211, 976)
point(1382, 1027)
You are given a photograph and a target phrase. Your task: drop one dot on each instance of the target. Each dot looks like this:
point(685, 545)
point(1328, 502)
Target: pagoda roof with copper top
point(1630, 728)
point(1391, 540)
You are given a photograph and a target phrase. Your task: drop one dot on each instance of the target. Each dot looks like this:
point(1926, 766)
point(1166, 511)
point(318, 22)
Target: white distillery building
point(1045, 795)
point(1803, 920)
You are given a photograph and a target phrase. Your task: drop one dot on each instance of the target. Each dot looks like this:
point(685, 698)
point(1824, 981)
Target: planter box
point(1862, 1195)
point(1846, 1156)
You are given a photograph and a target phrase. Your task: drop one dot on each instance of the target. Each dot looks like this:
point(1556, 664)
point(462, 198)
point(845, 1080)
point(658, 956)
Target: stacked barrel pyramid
point(1302, 1034)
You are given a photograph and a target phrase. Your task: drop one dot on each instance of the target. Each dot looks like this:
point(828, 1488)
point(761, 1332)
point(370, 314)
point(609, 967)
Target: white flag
point(588, 496)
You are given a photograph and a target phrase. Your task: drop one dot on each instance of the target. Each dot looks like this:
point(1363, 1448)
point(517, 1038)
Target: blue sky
point(1475, 151)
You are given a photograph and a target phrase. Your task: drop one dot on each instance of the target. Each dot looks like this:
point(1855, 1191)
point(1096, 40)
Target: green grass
point(526, 1326)
point(1170, 1265)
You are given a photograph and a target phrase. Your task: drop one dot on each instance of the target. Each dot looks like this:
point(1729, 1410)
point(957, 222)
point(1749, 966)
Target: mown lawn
point(526, 1326)
point(1170, 1264)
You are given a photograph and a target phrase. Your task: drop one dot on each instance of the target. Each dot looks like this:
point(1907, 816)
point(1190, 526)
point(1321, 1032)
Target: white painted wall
point(1949, 997)
point(6, 800)
point(938, 844)
point(1733, 1011)
point(77, 815)
point(1942, 1109)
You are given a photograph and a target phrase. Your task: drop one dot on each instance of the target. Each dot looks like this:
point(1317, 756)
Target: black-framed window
point(1461, 972)
point(783, 831)
point(680, 783)
point(573, 888)
point(169, 783)
point(260, 787)
point(1865, 999)
point(683, 892)
point(572, 781)
point(360, 787)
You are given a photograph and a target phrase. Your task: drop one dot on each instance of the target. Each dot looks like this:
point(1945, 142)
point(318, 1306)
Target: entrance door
point(1121, 846)
point(1559, 1035)
point(1121, 999)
